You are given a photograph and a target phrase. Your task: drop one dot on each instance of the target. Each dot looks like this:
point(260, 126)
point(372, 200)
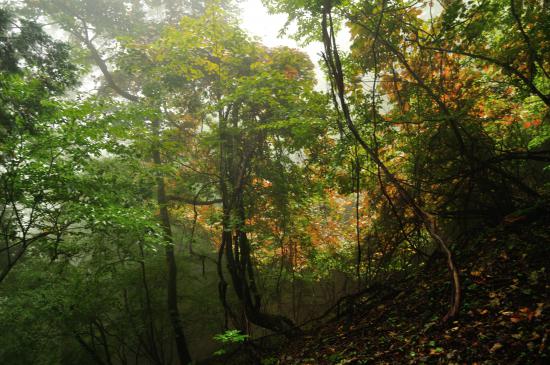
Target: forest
point(175, 191)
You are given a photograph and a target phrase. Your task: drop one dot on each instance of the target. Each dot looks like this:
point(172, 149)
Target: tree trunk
point(172, 283)
point(235, 247)
point(172, 289)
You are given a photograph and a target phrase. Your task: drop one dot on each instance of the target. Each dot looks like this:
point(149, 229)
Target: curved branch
point(100, 62)
point(336, 71)
point(105, 70)
point(192, 201)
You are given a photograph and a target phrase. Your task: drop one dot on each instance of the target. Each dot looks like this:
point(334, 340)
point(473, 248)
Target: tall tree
point(253, 98)
point(34, 69)
point(404, 83)
point(96, 25)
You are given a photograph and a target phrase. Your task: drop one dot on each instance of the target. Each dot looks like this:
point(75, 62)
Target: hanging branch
point(334, 66)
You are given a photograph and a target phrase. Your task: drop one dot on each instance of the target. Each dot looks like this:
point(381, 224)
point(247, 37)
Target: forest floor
point(504, 317)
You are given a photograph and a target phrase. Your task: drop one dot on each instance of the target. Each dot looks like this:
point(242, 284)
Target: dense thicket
point(166, 178)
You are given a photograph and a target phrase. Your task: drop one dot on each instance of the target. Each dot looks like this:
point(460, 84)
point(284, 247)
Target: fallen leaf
point(538, 312)
point(496, 347)
point(436, 351)
point(515, 318)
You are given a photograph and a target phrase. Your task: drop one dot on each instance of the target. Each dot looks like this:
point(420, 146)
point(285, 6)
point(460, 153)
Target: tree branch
point(192, 201)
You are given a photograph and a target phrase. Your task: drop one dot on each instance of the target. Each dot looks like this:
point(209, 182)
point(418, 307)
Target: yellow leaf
point(496, 347)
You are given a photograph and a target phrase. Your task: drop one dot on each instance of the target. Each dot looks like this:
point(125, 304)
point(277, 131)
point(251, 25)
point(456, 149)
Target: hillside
point(504, 317)
point(372, 188)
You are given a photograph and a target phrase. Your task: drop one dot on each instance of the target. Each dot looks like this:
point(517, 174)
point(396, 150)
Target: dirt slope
point(504, 317)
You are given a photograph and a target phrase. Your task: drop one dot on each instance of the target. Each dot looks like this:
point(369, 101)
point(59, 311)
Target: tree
point(90, 22)
point(55, 197)
point(253, 99)
point(34, 70)
point(415, 76)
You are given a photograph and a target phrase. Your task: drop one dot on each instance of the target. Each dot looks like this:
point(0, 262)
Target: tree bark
point(235, 247)
point(172, 283)
point(172, 290)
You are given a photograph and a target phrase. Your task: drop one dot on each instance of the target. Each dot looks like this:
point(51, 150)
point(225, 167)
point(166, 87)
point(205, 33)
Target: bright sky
point(257, 21)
